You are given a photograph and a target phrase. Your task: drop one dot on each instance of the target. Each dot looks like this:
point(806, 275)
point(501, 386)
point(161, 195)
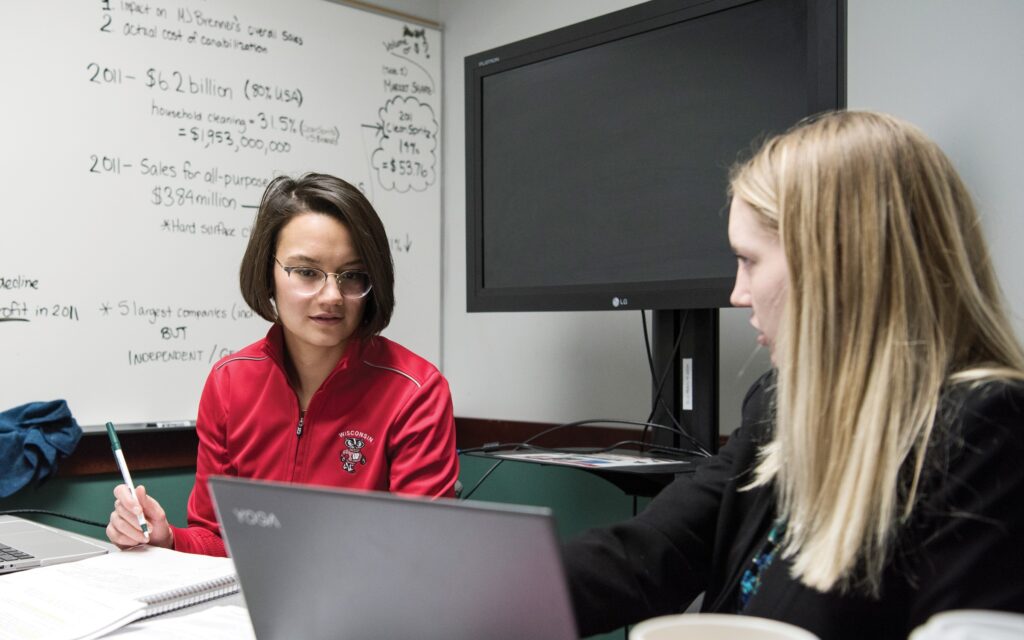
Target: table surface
point(640, 480)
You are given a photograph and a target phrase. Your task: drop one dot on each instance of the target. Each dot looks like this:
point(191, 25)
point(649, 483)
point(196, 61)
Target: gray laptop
point(25, 544)
point(324, 563)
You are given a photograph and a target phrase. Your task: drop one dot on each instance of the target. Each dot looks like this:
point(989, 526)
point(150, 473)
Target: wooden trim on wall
point(387, 11)
point(163, 450)
point(144, 451)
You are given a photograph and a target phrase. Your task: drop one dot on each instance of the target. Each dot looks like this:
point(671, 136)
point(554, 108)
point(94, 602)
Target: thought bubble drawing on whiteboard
point(406, 155)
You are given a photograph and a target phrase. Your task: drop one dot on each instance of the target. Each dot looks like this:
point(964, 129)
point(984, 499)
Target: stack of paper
point(92, 597)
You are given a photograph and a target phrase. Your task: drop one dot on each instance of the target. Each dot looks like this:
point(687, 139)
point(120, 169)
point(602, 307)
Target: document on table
point(92, 597)
point(225, 622)
point(36, 607)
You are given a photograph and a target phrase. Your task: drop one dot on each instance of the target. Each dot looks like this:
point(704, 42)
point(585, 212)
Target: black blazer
point(963, 546)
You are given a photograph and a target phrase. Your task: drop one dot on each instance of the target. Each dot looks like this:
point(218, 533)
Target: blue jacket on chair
point(33, 437)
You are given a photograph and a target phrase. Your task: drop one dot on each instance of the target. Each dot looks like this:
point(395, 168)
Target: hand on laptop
point(124, 529)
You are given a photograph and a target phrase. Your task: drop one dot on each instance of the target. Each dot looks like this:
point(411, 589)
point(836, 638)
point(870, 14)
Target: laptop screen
point(330, 563)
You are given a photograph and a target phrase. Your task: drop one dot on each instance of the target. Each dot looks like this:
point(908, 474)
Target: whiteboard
point(138, 137)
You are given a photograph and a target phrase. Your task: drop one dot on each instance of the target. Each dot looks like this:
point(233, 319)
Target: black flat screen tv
point(598, 154)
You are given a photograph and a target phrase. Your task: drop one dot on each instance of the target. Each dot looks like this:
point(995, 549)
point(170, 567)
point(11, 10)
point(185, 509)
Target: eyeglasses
point(310, 281)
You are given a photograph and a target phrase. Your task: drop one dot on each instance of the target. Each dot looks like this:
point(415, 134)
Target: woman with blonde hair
point(878, 476)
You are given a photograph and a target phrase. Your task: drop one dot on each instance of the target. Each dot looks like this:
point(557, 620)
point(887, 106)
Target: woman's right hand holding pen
point(124, 529)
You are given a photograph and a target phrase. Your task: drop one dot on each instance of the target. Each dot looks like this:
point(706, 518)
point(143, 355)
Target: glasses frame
point(337, 279)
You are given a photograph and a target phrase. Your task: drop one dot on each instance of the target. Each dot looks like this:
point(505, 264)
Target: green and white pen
point(115, 445)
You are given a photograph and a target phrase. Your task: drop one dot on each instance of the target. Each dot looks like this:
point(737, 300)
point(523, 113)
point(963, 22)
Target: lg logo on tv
point(257, 518)
point(619, 302)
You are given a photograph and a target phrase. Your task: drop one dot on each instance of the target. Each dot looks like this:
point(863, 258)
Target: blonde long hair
point(892, 296)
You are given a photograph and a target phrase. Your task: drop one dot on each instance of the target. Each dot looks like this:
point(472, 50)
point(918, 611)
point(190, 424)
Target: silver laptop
point(25, 544)
point(325, 563)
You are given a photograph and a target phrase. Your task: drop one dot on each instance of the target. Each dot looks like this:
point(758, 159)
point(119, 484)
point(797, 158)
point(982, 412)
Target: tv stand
point(641, 480)
point(690, 390)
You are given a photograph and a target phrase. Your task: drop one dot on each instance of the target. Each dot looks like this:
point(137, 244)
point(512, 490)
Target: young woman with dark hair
point(323, 399)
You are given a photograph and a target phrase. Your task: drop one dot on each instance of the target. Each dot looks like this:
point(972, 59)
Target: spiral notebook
point(92, 597)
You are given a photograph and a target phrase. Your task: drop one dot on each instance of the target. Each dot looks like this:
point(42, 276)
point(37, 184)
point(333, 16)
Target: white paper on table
point(223, 622)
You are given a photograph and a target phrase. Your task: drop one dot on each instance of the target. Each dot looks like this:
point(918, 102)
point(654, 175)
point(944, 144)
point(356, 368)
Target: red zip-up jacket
point(382, 420)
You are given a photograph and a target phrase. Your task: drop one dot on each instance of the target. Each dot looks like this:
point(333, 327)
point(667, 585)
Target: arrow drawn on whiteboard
point(379, 127)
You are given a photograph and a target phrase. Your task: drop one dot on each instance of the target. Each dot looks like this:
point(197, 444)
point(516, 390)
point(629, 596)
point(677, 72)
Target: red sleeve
point(203, 532)
point(422, 444)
